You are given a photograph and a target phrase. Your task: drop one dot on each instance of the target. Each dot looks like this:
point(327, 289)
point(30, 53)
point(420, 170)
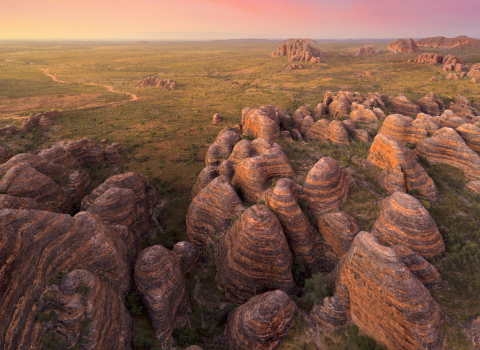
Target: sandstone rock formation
point(471, 186)
point(259, 124)
point(367, 50)
point(402, 105)
point(222, 147)
point(319, 131)
point(262, 322)
point(402, 129)
point(474, 72)
point(403, 46)
point(339, 230)
point(204, 178)
point(8, 130)
point(464, 109)
point(429, 58)
point(5, 155)
point(298, 230)
point(298, 50)
point(263, 162)
point(404, 221)
point(471, 134)
point(452, 77)
point(85, 151)
point(360, 114)
point(212, 212)
point(448, 43)
point(145, 200)
point(54, 242)
point(419, 267)
point(188, 254)
point(37, 120)
point(338, 134)
point(85, 306)
point(111, 156)
point(446, 146)
point(216, 118)
point(402, 170)
point(425, 122)
point(339, 107)
point(159, 279)
point(431, 104)
point(254, 257)
point(295, 67)
point(326, 186)
point(384, 298)
point(153, 80)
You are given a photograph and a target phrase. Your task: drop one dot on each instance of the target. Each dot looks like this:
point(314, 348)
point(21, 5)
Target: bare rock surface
point(403, 46)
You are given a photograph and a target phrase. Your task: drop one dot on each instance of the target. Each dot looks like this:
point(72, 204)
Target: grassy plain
point(168, 132)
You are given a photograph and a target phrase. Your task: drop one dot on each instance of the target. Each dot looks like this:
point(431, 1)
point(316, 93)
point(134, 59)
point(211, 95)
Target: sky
point(234, 19)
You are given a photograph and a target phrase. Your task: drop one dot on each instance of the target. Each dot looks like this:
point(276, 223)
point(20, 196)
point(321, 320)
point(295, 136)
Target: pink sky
point(211, 19)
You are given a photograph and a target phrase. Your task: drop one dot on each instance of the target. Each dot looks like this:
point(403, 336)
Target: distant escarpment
point(155, 81)
point(463, 42)
point(298, 50)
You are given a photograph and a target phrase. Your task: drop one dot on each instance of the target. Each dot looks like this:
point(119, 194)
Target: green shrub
point(134, 303)
point(359, 342)
point(83, 288)
point(321, 285)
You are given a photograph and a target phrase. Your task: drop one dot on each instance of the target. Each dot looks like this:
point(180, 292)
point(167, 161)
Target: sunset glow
point(222, 19)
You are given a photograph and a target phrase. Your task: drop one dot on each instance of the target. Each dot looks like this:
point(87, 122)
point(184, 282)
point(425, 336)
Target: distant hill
point(449, 43)
point(308, 41)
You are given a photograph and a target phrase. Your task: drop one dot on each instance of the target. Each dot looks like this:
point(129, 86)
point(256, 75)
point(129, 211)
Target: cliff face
point(463, 42)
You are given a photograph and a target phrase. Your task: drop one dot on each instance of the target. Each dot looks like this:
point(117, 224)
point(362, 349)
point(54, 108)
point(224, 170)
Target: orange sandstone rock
point(339, 230)
point(222, 147)
point(403, 46)
point(338, 134)
point(257, 123)
point(204, 178)
point(402, 129)
point(431, 104)
point(402, 105)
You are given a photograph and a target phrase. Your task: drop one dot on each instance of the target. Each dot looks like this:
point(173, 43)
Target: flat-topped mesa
point(326, 186)
point(446, 146)
point(463, 108)
point(471, 134)
point(385, 300)
point(449, 43)
point(52, 242)
point(298, 230)
point(204, 178)
point(429, 58)
point(262, 322)
point(160, 281)
point(5, 155)
point(85, 307)
point(85, 151)
point(361, 114)
point(298, 50)
point(259, 124)
point(404, 221)
point(339, 230)
point(145, 200)
point(419, 267)
point(222, 147)
point(212, 211)
point(402, 129)
point(388, 154)
point(431, 104)
point(254, 256)
point(403, 46)
point(252, 175)
point(155, 81)
point(402, 105)
point(188, 254)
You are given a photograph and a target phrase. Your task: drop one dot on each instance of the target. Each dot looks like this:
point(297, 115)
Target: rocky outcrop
point(53, 242)
point(403, 46)
point(222, 147)
point(85, 306)
point(360, 114)
point(204, 178)
point(85, 151)
point(188, 254)
point(216, 118)
point(402, 105)
point(404, 221)
point(257, 123)
point(462, 41)
point(307, 123)
point(452, 77)
point(319, 131)
point(212, 212)
point(419, 267)
point(367, 50)
point(59, 155)
point(298, 50)
point(473, 187)
point(295, 67)
point(384, 298)
point(431, 104)
point(338, 134)
point(11, 202)
point(5, 155)
point(401, 168)
point(8, 130)
point(111, 156)
point(446, 146)
point(402, 129)
point(326, 186)
point(159, 279)
point(339, 108)
point(474, 72)
point(339, 230)
point(425, 122)
point(429, 58)
point(254, 256)
point(145, 200)
point(266, 162)
point(464, 109)
point(471, 134)
point(38, 120)
point(298, 230)
point(157, 82)
point(262, 322)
